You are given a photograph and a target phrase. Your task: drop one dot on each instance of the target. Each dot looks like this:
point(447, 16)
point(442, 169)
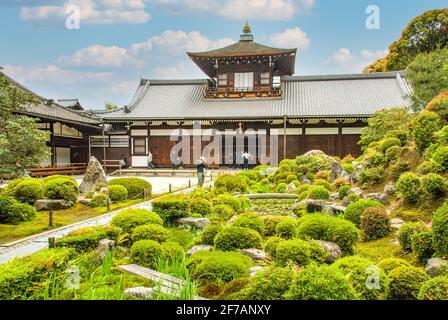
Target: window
point(276, 82)
point(244, 81)
point(140, 146)
point(222, 80)
point(265, 78)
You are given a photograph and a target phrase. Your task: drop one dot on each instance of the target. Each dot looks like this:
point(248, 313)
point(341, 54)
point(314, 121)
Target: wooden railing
point(112, 164)
point(68, 169)
point(238, 93)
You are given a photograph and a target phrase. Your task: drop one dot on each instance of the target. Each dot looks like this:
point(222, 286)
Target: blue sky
point(121, 41)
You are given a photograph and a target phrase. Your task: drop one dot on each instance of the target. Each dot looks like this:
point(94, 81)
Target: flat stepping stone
point(271, 196)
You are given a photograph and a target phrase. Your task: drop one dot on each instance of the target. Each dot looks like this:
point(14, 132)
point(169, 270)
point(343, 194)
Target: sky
point(102, 56)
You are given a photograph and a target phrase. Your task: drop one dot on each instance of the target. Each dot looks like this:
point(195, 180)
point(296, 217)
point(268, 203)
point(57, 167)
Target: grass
point(382, 249)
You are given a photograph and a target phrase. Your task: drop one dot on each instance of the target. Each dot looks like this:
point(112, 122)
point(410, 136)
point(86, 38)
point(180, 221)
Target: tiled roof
point(353, 95)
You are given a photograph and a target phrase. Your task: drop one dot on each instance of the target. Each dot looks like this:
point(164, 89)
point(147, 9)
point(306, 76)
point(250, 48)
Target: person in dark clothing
point(200, 167)
point(124, 162)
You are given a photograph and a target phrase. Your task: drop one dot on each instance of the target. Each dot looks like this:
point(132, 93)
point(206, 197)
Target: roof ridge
point(348, 76)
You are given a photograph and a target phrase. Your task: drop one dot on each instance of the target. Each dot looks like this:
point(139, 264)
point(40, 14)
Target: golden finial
point(246, 28)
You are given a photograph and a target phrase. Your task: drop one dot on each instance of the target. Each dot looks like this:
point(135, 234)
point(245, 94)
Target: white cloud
point(91, 12)
point(101, 56)
point(346, 61)
point(291, 38)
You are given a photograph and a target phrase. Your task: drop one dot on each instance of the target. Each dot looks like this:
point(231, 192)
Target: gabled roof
point(332, 96)
point(48, 109)
point(70, 103)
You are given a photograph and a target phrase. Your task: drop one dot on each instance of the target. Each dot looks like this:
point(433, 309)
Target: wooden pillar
point(53, 150)
point(285, 121)
point(303, 144)
point(129, 155)
point(340, 139)
point(104, 146)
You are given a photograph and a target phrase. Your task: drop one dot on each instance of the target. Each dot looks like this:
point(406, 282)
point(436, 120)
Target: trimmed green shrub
point(6, 204)
point(430, 167)
point(299, 252)
point(371, 175)
point(286, 229)
point(232, 290)
point(393, 153)
point(250, 220)
point(390, 264)
point(57, 176)
point(281, 188)
point(440, 229)
point(118, 193)
point(170, 208)
point(146, 253)
point(271, 244)
point(328, 228)
point(62, 188)
point(405, 283)
point(348, 167)
point(355, 210)
point(232, 238)
point(209, 233)
point(20, 212)
point(323, 183)
point(136, 187)
point(99, 200)
point(422, 246)
point(270, 224)
point(440, 156)
point(319, 193)
point(375, 223)
point(29, 191)
point(368, 280)
point(87, 239)
point(19, 277)
point(150, 232)
point(321, 283)
point(434, 289)
point(401, 135)
point(406, 232)
point(173, 251)
point(201, 207)
point(343, 192)
point(424, 126)
point(229, 200)
point(388, 143)
point(218, 266)
point(435, 185)
point(270, 284)
point(129, 219)
point(221, 213)
point(230, 183)
point(9, 188)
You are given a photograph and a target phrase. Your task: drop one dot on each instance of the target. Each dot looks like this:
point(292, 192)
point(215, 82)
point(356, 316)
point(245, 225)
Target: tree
point(428, 75)
point(425, 33)
point(110, 106)
point(21, 140)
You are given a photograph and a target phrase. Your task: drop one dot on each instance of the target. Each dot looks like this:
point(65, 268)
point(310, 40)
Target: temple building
point(250, 86)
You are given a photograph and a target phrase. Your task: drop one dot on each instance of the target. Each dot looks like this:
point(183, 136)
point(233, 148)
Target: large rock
point(336, 170)
point(314, 152)
point(436, 267)
point(291, 188)
point(48, 204)
point(321, 206)
point(140, 292)
point(379, 197)
point(198, 223)
point(356, 191)
point(200, 247)
point(396, 223)
point(357, 172)
point(105, 246)
point(255, 254)
point(305, 180)
point(333, 251)
point(94, 174)
point(390, 189)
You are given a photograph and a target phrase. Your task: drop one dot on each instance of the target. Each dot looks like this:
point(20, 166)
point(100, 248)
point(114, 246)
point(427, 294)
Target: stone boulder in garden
point(94, 174)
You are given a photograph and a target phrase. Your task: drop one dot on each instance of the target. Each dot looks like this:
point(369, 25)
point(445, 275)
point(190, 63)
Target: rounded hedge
point(369, 281)
point(136, 187)
point(299, 252)
point(319, 193)
point(401, 135)
point(440, 156)
point(409, 186)
point(209, 233)
point(390, 264)
point(57, 176)
point(393, 153)
point(270, 224)
point(355, 210)
point(321, 283)
point(405, 283)
point(422, 246)
point(62, 188)
point(129, 219)
point(146, 253)
point(232, 238)
point(329, 228)
point(286, 229)
point(440, 229)
point(150, 232)
point(99, 200)
point(375, 223)
point(173, 251)
point(20, 212)
point(118, 193)
point(406, 232)
point(6, 204)
point(435, 185)
point(201, 207)
point(221, 213)
point(218, 266)
point(343, 192)
point(388, 143)
point(250, 220)
point(271, 245)
point(270, 284)
point(29, 191)
point(170, 208)
point(423, 128)
point(230, 183)
point(434, 289)
point(281, 187)
point(229, 200)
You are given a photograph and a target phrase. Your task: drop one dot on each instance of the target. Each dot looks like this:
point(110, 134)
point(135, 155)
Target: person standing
point(124, 162)
point(150, 164)
point(246, 156)
point(200, 167)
